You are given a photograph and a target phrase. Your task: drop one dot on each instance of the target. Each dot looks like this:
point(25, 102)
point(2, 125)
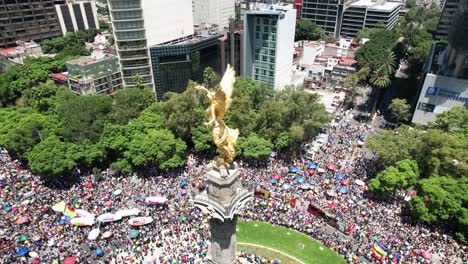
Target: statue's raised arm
point(224, 137)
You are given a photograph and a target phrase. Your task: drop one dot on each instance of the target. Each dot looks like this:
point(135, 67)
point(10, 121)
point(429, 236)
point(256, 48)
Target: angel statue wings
point(224, 137)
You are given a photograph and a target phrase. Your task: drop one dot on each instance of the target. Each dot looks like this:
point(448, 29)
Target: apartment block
point(27, 20)
point(91, 75)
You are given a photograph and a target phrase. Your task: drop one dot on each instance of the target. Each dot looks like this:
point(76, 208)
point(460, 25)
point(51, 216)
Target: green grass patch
point(270, 254)
point(286, 241)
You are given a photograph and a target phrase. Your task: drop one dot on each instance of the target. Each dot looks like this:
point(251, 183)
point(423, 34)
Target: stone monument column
point(223, 240)
point(221, 200)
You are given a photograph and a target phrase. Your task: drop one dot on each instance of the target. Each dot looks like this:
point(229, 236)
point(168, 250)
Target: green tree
point(129, 102)
point(254, 147)
point(393, 146)
point(22, 129)
point(211, 79)
point(83, 117)
point(202, 138)
point(380, 78)
point(454, 121)
point(400, 110)
point(41, 98)
point(410, 4)
point(307, 30)
point(156, 147)
point(403, 175)
point(377, 49)
point(182, 112)
point(443, 198)
point(388, 62)
point(270, 120)
point(51, 158)
point(241, 115)
point(257, 92)
point(113, 141)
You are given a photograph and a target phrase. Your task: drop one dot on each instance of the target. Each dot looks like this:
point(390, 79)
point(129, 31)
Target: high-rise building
point(368, 14)
point(74, 17)
point(140, 24)
point(444, 83)
point(325, 13)
point(269, 43)
point(176, 62)
point(28, 20)
point(217, 12)
point(445, 21)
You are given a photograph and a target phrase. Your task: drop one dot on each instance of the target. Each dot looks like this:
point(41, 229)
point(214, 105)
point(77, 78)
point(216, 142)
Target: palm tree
point(388, 62)
point(380, 78)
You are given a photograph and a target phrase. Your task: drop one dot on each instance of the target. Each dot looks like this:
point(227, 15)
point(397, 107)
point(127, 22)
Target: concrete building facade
point(77, 16)
point(325, 13)
point(88, 75)
point(368, 14)
point(268, 43)
point(28, 20)
point(216, 12)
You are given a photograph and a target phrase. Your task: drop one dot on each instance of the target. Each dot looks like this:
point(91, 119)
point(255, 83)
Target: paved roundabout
point(289, 246)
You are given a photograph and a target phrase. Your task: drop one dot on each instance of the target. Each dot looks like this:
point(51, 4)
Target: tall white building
point(213, 12)
point(74, 17)
point(269, 43)
point(139, 24)
point(369, 14)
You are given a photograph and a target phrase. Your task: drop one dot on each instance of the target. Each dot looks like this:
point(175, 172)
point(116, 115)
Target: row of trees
point(433, 161)
point(57, 131)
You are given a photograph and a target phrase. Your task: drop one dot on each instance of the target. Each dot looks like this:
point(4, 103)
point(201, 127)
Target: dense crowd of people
point(326, 199)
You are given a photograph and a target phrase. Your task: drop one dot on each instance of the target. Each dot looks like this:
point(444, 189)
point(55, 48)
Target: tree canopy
point(433, 161)
point(400, 110)
point(307, 30)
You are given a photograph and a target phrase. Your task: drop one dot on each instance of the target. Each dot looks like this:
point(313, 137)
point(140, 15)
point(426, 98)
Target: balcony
point(135, 66)
point(134, 57)
point(129, 29)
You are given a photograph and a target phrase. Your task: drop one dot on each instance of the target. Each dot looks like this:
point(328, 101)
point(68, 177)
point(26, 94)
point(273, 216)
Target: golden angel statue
point(224, 137)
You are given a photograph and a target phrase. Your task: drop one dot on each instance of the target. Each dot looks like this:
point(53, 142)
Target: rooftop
point(263, 8)
point(8, 52)
point(200, 35)
point(376, 5)
point(87, 60)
